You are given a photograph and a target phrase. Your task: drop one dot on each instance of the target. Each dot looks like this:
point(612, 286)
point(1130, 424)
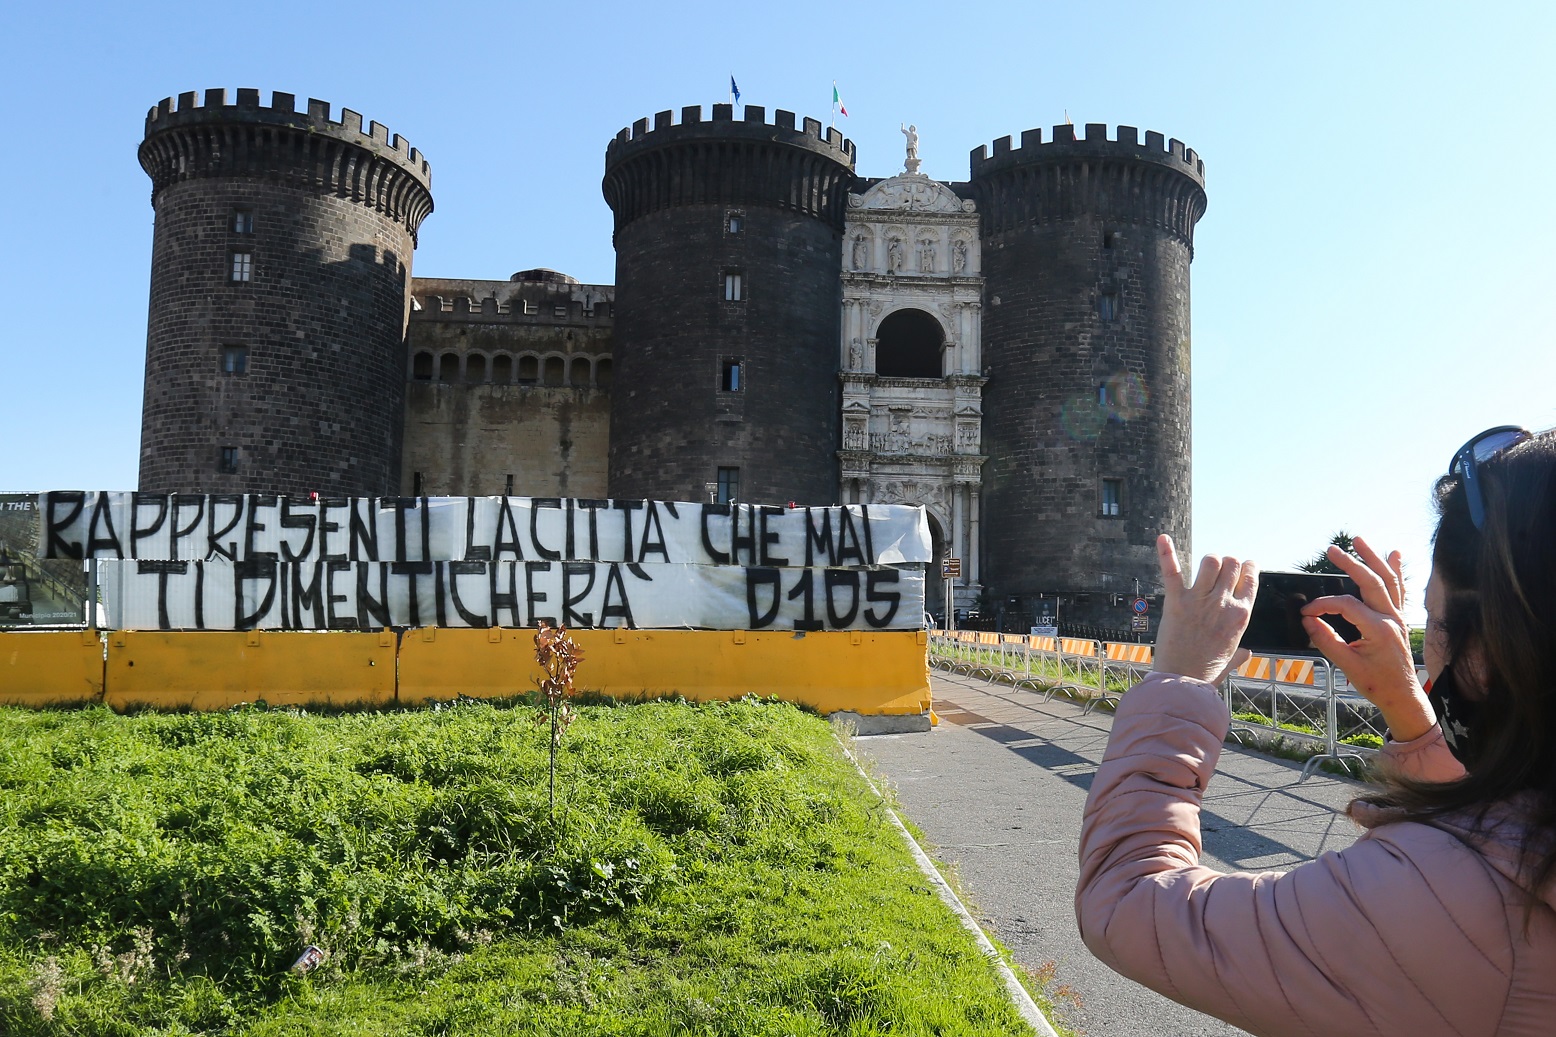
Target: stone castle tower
point(1086, 250)
point(1011, 351)
point(728, 306)
point(280, 288)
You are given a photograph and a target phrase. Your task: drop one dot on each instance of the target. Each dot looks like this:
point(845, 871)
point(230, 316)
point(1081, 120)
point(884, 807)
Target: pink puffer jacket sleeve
point(1403, 933)
point(1426, 758)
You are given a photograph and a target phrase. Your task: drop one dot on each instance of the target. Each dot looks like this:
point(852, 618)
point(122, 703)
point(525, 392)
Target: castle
point(1011, 352)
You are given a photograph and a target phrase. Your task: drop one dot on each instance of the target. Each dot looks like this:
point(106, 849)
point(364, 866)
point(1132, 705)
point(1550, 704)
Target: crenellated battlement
point(190, 137)
point(723, 125)
point(1065, 146)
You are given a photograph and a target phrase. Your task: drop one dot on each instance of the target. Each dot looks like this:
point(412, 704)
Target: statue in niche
point(926, 256)
point(912, 163)
point(856, 355)
point(959, 255)
point(861, 252)
point(894, 255)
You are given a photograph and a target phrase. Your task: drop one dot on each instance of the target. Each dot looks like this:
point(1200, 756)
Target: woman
point(1441, 918)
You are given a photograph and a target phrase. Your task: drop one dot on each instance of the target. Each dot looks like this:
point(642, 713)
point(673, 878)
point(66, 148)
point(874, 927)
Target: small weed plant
point(558, 656)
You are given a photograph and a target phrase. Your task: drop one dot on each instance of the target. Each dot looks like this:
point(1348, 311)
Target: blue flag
point(734, 91)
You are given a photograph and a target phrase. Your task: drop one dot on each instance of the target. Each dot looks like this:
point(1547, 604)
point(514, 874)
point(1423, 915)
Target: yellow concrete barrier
point(216, 669)
point(884, 673)
point(50, 667)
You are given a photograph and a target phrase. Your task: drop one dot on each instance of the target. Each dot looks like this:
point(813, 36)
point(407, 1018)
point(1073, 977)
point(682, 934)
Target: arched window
point(556, 371)
point(475, 368)
point(908, 345)
point(578, 374)
point(602, 372)
point(529, 370)
point(421, 367)
point(502, 369)
point(448, 367)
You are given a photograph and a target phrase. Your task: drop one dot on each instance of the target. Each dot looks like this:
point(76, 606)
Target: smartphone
point(1276, 624)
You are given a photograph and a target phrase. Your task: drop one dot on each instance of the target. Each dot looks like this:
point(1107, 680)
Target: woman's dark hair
point(1500, 606)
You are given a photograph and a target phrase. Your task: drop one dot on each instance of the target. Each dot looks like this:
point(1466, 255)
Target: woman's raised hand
point(1202, 621)
point(1378, 664)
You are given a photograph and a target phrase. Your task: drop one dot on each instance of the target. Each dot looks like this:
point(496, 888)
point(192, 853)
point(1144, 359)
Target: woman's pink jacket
point(1413, 930)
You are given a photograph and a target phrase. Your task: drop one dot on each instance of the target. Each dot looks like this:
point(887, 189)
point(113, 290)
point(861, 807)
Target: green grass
point(715, 870)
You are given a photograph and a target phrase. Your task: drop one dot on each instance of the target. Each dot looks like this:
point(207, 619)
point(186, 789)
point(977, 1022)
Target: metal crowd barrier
point(1297, 697)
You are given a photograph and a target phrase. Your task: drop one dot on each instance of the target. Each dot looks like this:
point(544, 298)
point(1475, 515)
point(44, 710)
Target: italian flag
point(837, 99)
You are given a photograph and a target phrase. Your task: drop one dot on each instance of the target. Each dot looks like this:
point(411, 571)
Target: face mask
point(1455, 714)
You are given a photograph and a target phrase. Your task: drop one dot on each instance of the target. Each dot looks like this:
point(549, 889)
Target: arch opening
point(909, 344)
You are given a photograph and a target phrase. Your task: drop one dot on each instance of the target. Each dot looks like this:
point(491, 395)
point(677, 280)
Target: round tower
point(280, 289)
point(728, 306)
point(1086, 251)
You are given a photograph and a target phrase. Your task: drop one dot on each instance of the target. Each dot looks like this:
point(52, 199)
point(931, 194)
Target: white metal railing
point(1274, 696)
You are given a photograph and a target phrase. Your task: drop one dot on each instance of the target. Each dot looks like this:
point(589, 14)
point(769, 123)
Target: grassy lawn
point(715, 869)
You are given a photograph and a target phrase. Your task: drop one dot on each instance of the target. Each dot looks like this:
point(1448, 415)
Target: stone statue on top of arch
point(910, 131)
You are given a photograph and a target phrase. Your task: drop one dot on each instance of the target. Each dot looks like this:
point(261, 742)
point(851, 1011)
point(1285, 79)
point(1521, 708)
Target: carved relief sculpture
point(959, 255)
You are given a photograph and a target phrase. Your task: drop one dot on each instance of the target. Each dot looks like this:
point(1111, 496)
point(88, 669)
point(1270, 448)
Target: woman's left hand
point(1203, 621)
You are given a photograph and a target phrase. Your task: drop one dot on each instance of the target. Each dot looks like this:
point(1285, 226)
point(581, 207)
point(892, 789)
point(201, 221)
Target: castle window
point(448, 368)
point(1107, 306)
point(555, 371)
point(507, 487)
point(732, 286)
point(242, 266)
point(530, 309)
point(1107, 239)
point(235, 360)
point(421, 367)
point(730, 374)
point(1112, 498)
point(502, 369)
point(602, 372)
point(561, 312)
point(416, 484)
point(729, 485)
point(475, 368)
point(734, 221)
point(242, 221)
point(578, 372)
point(529, 370)
point(229, 460)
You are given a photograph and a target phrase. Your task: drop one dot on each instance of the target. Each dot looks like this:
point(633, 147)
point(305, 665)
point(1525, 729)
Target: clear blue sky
point(1370, 281)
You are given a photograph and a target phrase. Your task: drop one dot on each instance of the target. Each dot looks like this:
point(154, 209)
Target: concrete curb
point(1019, 997)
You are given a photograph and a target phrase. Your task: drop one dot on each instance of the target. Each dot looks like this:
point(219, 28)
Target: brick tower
point(1086, 251)
point(728, 306)
point(280, 278)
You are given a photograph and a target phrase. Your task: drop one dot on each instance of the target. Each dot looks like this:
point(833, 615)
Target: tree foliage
point(1320, 562)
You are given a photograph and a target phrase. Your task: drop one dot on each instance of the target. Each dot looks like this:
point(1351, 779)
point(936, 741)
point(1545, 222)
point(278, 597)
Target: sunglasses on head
point(1478, 451)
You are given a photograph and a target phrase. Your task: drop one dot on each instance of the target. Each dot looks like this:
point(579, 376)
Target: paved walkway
point(998, 790)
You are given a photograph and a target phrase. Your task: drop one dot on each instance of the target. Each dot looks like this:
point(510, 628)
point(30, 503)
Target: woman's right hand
point(1379, 664)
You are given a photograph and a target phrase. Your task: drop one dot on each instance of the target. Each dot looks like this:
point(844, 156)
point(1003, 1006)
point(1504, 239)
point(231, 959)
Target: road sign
point(1139, 623)
point(1141, 606)
point(951, 569)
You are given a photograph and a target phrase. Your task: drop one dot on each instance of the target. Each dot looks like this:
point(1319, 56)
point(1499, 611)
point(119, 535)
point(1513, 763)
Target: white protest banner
point(345, 595)
point(241, 527)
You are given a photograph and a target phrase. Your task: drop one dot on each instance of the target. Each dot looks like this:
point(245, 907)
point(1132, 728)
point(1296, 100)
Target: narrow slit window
point(229, 460)
point(235, 360)
point(732, 287)
point(242, 266)
point(729, 485)
point(1107, 306)
point(735, 222)
point(1107, 239)
point(507, 487)
point(1112, 498)
point(731, 375)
